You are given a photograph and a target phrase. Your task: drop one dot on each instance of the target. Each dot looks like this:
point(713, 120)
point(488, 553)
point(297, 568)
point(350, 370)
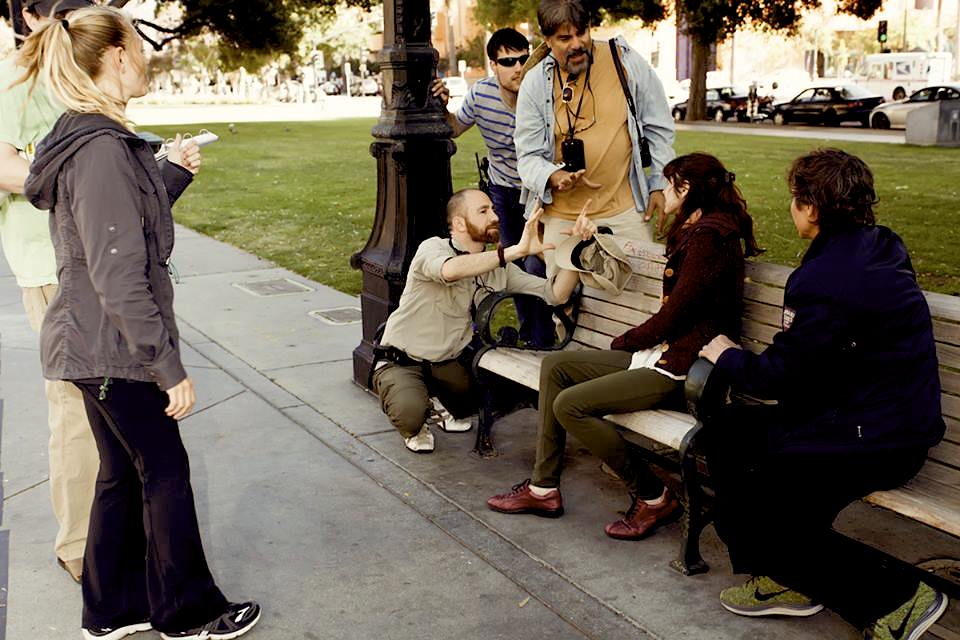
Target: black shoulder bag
point(645, 158)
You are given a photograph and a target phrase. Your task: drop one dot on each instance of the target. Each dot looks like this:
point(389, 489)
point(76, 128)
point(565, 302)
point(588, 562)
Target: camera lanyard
point(571, 126)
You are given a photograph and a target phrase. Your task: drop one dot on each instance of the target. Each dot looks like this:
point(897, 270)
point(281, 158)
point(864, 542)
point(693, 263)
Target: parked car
point(330, 88)
point(722, 103)
point(830, 105)
point(894, 114)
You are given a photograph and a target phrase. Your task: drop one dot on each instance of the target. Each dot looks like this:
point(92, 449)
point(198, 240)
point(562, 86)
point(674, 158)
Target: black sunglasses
point(510, 61)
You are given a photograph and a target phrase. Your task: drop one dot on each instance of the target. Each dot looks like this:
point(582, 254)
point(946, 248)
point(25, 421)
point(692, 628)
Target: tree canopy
point(706, 22)
point(257, 26)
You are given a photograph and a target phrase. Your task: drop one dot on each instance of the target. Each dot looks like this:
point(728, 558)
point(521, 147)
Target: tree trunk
point(697, 102)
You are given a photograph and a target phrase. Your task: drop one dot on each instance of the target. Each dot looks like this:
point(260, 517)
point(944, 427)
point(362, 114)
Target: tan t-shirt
point(602, 125)
point(433, 321)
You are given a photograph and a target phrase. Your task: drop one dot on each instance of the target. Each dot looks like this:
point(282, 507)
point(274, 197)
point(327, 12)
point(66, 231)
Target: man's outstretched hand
point(530, 241)
point(584, 226)
point(656, 206)
point(563, 180)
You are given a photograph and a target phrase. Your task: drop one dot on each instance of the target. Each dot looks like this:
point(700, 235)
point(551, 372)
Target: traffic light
point(882, 32)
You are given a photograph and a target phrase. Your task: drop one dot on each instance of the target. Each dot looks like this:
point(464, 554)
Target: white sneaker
point(420, 443)
point(446, 422)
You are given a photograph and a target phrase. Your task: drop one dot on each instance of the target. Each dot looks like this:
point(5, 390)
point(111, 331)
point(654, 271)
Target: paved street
point(309, 503)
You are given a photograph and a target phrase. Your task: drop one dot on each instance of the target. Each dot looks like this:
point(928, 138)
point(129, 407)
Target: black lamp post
point(413, 148)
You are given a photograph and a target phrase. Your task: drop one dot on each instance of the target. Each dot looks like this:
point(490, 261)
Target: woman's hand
point(182, 398)
point(715, 348)
point(185, 153)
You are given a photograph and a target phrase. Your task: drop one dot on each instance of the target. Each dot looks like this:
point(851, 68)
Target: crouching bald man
point(425, 337)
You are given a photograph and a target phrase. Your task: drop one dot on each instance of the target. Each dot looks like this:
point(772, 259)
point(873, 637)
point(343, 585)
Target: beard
point(490, 235)
point(576, 68)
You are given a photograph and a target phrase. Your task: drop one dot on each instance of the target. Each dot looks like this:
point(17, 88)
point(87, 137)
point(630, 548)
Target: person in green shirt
point(26, 115)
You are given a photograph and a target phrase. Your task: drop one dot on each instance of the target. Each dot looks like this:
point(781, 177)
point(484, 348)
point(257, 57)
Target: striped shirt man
point(484, 107)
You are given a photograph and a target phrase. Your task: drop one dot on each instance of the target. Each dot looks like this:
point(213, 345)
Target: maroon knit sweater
point(702, 295)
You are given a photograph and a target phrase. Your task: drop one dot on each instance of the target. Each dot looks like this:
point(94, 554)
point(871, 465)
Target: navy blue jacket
point(854, 367)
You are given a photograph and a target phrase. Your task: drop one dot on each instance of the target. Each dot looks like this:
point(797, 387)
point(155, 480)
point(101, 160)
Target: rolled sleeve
point(533, 137)
point(427, 263)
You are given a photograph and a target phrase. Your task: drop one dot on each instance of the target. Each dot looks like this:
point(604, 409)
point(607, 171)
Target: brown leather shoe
point(72, 567)
point(521, 500)
point(642, 519)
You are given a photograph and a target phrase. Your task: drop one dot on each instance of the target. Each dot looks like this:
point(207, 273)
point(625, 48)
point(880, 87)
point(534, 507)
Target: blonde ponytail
point(68, 56)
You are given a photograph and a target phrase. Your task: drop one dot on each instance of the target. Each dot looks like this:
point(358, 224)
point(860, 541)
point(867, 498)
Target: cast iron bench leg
point(484, 446)
point(694, 519)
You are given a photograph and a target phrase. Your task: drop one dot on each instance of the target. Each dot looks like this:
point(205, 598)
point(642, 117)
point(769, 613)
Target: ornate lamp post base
point(413, 148)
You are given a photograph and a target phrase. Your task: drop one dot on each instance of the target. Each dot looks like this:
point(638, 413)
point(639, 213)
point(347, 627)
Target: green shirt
point(25, 118)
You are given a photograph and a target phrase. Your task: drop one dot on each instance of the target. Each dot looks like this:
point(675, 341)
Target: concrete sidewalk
point(309, 503)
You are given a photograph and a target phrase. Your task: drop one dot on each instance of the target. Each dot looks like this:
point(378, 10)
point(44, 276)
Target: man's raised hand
point(584, 226)
point(530, 242)
point(563, 180)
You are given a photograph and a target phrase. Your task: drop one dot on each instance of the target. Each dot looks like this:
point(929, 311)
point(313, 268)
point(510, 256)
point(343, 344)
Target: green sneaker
point(761, 596)
point(915, 616)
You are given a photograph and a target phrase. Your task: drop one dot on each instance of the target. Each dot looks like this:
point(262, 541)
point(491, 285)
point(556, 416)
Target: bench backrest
point(604, 316)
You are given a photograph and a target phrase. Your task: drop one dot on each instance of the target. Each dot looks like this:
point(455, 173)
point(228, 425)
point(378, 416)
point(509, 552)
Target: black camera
point(571, 150)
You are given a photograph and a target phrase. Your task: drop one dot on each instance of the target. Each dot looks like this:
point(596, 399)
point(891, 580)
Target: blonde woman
point(111, 331)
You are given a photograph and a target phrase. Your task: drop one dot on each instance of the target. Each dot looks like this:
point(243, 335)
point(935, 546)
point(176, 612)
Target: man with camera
point(491, 105)
point(592, 117)
point(423, 343)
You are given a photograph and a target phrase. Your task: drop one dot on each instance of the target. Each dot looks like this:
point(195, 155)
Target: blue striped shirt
point(483, 106)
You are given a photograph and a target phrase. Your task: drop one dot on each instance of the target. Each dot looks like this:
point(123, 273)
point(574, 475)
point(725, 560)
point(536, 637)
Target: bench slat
point(591, 339)
point(765, 313)
point(926, 500)
point(643, 284)
point(763, 293)
point(633, 299)
point(948, 355)
point(946, 453)
point(665, 427)
point(950, 381)
point(613, 311)
point(950, 405)
point(943, 307)
point(942, 473)
point(755, 331)
point(609, 328)
point(946, 332)
point(767, 272)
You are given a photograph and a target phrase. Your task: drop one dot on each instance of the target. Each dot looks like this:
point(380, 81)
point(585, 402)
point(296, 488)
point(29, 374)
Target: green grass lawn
point(303, 194)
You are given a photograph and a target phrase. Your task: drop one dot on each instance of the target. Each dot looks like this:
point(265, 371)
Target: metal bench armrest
point(484, 314)
point(706, 393)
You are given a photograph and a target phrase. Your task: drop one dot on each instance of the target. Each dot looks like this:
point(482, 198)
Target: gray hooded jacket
point(112, 231)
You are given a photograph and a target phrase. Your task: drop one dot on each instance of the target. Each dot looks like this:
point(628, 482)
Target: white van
point(895, 75)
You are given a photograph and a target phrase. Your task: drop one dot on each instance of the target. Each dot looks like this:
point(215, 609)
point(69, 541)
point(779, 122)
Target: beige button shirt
point(433, 321)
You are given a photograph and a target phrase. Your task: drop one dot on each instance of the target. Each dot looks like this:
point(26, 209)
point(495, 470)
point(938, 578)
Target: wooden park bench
point(669, 437)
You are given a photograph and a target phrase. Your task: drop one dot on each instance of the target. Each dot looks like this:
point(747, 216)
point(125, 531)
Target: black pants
point(144, 558)
point(775, 512)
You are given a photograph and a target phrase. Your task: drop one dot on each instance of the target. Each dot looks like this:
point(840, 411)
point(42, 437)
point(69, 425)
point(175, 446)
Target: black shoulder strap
point(645, 158)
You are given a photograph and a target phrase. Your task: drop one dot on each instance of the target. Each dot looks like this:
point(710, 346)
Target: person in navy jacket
point(855, 376)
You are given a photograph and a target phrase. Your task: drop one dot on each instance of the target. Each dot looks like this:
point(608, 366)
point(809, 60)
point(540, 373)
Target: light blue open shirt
point(534, 137)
